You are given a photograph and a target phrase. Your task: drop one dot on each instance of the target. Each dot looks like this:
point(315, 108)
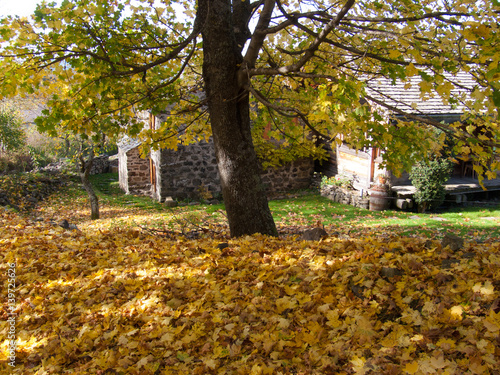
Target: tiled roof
point(406, 96)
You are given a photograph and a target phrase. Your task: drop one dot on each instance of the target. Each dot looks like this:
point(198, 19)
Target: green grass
point(475, 222)
point(109, 193)
point(478, 223)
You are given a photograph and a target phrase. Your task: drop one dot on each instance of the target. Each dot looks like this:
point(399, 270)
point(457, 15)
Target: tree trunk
point(228, 104)
point(85, 167)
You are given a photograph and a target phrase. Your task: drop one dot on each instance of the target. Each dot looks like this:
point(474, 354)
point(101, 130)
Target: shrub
point(12, 136)
point(39, 157)
point(13, 162)
point(429, 179)
point(341, 180)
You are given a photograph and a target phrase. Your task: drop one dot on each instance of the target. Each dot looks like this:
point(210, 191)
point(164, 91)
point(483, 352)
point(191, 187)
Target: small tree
point(85, 162)
point(12, 136)
point(429, 177)
point(82, 150)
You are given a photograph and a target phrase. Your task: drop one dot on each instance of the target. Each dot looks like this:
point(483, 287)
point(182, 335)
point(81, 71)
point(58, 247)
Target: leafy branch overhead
point(154, 52)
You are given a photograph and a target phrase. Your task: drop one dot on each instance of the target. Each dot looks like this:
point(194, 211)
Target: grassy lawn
point(292, 215)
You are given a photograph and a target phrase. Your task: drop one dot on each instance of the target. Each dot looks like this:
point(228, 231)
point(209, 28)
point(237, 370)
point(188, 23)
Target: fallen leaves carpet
point(127, 302)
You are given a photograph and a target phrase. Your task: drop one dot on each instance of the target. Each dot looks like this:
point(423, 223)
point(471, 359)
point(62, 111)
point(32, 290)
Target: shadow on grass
point(473, 222)
point(311, 210)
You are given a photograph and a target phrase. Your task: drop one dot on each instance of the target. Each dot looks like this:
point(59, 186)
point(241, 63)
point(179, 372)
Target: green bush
point(13, 162)
point(341, 180)
point(39, 157)
point(12, 136)
point(429, 179)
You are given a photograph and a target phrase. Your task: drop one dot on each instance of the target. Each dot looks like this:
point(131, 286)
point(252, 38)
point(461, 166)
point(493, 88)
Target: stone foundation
point(345, 196)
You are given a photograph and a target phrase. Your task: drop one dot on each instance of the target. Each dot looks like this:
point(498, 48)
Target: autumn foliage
point(128, 302)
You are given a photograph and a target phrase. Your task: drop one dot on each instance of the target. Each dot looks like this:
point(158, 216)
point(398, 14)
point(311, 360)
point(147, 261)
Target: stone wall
point(187, 172)
point(134, 174)
point(353, 197)
point(100, 165)
point(191, 172)
point(292, 176)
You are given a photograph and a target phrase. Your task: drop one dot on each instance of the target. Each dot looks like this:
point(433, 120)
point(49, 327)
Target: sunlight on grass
point(291, 215)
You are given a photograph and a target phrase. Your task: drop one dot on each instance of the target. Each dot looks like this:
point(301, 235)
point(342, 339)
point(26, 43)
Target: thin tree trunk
point(85, 167)
point(228, 104)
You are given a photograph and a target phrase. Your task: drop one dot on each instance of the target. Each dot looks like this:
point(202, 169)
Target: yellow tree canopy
point(98, 63)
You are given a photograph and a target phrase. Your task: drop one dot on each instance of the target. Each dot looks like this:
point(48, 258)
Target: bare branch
point(439, 15)
point(313, 47)
point(259, 34)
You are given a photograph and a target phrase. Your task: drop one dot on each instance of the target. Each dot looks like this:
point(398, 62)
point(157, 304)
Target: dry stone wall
point(100, 165)
point(187, 172)
point(292, 176)
point(345, 196)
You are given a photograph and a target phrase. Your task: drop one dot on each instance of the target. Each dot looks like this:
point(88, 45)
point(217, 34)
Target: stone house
point(133, 171)
point(364, 165)
point(190, 172)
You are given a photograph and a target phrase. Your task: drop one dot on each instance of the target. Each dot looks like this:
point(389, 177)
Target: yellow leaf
point(210, 363)
point(285, 303)
point(411, 368)
point(256, 370)
point(132, 344)
point(387, 137)
point(446, 344)
point(122, 340)
point(487, 289)
point(438, 363)
point(411, 70)
point(143, 362)
point(167, 337)
point(457, 311)
point(492, 322)
point(358, 365)
point(425, 86)
point(333, 319)
point(394, 54)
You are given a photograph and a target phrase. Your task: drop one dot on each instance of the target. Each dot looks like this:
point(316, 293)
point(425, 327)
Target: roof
point(126, 143)
point(406, 95)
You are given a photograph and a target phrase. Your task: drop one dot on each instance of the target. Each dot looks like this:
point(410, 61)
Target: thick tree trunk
point(228, 104)
point(85, 167)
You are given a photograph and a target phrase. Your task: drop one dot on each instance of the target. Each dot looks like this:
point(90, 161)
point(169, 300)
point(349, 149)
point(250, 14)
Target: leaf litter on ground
point(123, 300)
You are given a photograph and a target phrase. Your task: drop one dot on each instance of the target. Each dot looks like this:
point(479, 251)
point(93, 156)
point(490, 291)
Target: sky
point(22, 8)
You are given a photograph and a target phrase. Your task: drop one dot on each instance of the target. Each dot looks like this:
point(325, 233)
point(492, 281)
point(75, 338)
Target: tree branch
point(313, 47)
point(292, 112)
point(259, 34)
point(439, 15)
point(429, 121)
